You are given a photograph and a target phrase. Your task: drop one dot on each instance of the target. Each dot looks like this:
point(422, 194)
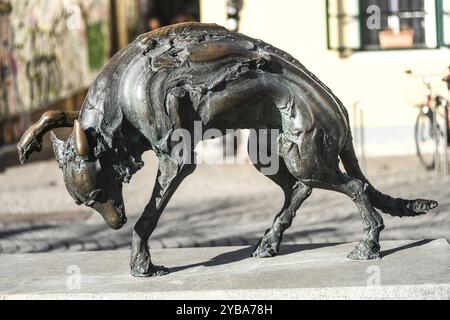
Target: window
point(145, 15)
point(444, 19)
point(364, 25)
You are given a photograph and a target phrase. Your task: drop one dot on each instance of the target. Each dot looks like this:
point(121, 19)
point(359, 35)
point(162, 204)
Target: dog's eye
point(90, 200)
point(94, 194)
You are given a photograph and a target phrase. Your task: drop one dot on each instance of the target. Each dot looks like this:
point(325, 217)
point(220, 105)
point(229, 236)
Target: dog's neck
point(124, 154)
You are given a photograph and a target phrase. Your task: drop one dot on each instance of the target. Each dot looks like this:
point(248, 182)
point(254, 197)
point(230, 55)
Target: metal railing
point(359, 134)
point(441, 145)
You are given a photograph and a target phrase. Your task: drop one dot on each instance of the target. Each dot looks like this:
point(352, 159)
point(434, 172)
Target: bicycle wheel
point(425, 141)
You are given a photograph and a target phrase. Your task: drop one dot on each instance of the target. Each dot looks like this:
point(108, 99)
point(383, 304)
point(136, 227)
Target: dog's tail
point(394, 206)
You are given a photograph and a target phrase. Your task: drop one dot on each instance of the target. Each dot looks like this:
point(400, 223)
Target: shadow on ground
point(406, 247)
point(246, 253)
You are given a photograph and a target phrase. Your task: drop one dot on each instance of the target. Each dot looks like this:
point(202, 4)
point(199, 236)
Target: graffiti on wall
point(49, 49)
point(9, 95)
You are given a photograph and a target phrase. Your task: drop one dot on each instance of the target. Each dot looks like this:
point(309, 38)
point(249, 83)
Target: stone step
point(408, 270)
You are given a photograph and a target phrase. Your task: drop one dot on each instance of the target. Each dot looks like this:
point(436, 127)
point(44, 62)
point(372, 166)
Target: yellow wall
point(375, 78)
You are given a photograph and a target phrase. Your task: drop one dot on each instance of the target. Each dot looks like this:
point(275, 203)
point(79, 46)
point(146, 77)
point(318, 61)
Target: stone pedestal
point(409, 270)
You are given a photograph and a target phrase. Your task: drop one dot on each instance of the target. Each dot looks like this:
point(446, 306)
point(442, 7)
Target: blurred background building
point(51, 51)
point(332, 38)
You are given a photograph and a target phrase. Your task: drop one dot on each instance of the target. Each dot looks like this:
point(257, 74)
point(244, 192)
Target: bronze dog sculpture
point(169, 78)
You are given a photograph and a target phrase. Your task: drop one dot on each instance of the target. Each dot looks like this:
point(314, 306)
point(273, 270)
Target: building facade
point(350, 58)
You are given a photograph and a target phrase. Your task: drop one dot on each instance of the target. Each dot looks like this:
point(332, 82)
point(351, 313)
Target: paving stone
point(217, 206)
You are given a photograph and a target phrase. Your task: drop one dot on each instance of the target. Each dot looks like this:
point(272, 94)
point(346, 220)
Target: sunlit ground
point(218, 205)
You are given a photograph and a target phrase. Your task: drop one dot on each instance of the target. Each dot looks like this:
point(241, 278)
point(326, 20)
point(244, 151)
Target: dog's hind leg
point(369, 247)
point(314, 161)
point(295, 193)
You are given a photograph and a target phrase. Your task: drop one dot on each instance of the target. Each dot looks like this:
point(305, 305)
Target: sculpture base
point(408, 270)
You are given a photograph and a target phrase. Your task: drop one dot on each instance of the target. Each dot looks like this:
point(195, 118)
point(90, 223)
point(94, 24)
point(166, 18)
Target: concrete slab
point(409, 270)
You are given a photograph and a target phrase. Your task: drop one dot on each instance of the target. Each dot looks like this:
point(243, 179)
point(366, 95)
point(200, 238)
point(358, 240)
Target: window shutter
point(343, 25)
point(445, 23)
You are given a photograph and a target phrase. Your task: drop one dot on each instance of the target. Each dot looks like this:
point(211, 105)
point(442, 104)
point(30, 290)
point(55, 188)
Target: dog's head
point(88, 180)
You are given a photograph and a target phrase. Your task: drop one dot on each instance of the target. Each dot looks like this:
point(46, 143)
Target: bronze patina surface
point(170, 78)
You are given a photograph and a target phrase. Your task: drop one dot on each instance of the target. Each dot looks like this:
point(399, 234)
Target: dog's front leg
point(170, 176)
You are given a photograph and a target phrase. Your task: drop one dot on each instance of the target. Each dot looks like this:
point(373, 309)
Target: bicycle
point(432, 124)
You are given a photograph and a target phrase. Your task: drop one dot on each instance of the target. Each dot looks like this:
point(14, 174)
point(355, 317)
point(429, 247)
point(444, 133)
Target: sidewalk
point(217, 206)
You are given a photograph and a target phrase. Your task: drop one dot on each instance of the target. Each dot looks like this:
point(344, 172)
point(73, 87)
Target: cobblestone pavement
point(217, 206)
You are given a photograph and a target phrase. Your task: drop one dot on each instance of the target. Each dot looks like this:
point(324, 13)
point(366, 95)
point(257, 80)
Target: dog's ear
point(58, 149)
